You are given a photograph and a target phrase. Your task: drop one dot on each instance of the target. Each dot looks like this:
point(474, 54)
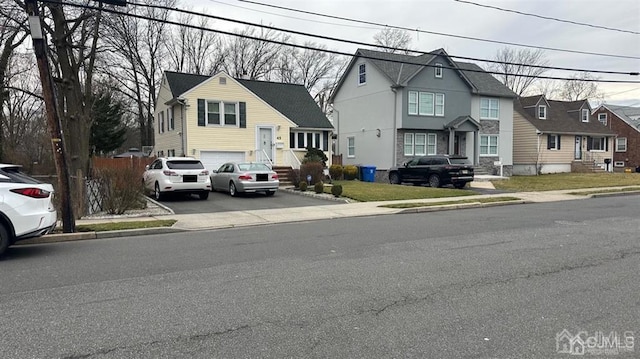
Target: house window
point(420, 148)
point(489, 108)
point(598, 143)
point(426, 103)
point(413, 103)
point(602, 117)
point(309, 139)
point(542, 112)
point(432, 141)
point(218, 109)
point(438, 70)
point(171, 153)
point(171, 124)
point(621, 144)
point(553, 142)
point(488, 145)
point(439, 104)
point(408, 144)
point(161, 124)
point(585, 115)
point(618, 163)
point(351, 147)
point(362, 74)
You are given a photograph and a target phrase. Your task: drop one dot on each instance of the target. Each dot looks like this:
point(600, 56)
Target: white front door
point(578, 149)
point(266, 142)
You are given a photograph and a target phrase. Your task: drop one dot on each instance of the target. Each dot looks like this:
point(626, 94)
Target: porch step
point(284, 175)
point(586, 167)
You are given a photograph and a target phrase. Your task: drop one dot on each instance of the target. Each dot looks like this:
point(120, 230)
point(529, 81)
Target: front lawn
point(563, 181)
point(374, 191)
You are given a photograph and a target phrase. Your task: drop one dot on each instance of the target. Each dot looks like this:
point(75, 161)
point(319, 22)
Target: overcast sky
point(465, 19)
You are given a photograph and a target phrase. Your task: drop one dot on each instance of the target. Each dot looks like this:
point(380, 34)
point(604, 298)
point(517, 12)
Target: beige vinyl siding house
point(219, 119)
point(558, 136)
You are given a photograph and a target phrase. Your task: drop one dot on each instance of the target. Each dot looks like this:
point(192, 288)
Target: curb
point(448, 207)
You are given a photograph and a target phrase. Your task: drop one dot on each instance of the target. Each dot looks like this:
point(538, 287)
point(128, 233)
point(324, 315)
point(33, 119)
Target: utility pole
point(53, 120)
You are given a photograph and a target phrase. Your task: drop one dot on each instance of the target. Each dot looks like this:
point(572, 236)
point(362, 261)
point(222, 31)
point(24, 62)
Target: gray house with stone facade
point(389, 108)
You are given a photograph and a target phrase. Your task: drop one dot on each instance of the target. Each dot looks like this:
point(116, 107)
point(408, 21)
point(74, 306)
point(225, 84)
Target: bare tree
point(547, 87)
point(514, 68)
point(195, 50)
point(306, 67)
point(393, 40)
point(249, 56)
point(580, 87)
point(135, 61)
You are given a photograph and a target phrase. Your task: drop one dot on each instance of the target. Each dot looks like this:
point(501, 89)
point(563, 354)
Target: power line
point(548, 18)
point(443, 34)
point(632, 73)
point(335, 52)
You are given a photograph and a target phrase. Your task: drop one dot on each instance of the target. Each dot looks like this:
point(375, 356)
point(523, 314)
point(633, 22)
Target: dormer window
point(438, 70)
point(585, 115)
point(542, 112)
point(362, 74)
point(602, 117)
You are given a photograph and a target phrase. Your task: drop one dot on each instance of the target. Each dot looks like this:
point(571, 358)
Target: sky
point(462, 18)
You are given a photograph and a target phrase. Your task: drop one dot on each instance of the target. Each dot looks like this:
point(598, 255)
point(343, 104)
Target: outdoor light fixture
point(36, 28)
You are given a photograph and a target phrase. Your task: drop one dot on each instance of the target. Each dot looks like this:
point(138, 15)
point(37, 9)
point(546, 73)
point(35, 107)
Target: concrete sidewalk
point(209, 221)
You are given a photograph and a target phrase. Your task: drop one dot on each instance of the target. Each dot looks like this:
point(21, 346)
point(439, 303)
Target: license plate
point(262, 177)
point(464, 172)
point(189, 178)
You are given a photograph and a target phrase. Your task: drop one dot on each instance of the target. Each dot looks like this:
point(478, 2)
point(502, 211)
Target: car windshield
point(460, 161)
point(185, 165)
point(14, 175)
point(253, 167)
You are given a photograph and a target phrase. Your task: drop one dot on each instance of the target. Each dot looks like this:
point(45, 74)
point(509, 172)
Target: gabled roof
point(458, 121)
point(628, 114)
point(562, 118)
point(291, 100)
point(400, 68)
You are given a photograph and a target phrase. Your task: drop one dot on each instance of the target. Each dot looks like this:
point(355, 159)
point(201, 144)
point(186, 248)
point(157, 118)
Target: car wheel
point(232, 189)
point(394, 178)
point(270, 193)
point(460, 185)
point(203, 195)
point(157, 195)
point(4, 240)
point(434, 181)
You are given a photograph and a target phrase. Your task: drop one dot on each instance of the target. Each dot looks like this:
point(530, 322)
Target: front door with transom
point(266, 143)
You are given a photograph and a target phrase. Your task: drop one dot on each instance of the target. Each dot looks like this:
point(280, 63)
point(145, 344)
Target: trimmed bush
point(350, 172)
point(336, 190)
point(302, 185)
point(315, 169)
point(315, 155)
point(335, 171)
point(318, 187)
point(294, 177)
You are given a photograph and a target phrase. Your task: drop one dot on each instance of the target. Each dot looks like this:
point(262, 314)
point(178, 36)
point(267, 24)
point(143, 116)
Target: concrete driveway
point(223, 202)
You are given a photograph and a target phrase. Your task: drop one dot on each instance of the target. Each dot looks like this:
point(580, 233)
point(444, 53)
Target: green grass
point(627, 189)
point(374, 191)
point(442, 203)
point(564, 181)
point(116, 226)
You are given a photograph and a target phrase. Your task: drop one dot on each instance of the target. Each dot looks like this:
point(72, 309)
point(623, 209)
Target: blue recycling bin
point(368, 173)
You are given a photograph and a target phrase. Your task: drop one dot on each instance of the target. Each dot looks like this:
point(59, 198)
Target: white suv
point(177, 175)
point(26, 207)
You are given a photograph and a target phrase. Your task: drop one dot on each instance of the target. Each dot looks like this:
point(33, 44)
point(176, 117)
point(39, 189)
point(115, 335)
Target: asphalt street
point(497, 282)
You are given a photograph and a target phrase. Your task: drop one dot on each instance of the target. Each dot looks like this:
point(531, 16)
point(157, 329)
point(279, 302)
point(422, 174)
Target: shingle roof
point(398, 71)
point(563, 117)
point(629, 114)
point(291, 100)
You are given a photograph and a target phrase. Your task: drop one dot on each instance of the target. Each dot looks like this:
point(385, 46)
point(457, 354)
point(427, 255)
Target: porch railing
point(261, 156)
point(290, 159)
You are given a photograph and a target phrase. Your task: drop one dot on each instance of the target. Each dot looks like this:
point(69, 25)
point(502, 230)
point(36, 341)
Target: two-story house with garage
point(389, 108)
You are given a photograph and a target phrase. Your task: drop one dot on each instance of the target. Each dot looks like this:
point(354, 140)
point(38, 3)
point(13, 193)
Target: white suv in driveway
point(177, 175)
point(26, 207)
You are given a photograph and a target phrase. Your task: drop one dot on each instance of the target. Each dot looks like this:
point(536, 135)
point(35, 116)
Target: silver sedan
point(244, 177)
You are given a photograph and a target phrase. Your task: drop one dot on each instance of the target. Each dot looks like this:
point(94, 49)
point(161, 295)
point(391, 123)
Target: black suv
point(437, 170)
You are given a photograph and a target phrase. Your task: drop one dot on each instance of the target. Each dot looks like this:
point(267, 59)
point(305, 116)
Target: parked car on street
point(245, 177)
point(177, 175)
point(437, 170)
point(26, 208)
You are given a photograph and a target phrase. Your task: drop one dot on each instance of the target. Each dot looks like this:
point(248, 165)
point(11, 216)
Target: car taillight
point(245, 177)
point(274, 176)
point(32, 192)
point(169, 173)
point(204, 173)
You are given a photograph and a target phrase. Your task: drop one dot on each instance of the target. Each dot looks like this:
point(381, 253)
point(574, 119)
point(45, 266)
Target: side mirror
point(146, 168)
point(214, 171)
point(404, 164)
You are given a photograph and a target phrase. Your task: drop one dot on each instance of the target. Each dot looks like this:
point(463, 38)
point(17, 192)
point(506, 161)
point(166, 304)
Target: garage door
point(212, 160)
